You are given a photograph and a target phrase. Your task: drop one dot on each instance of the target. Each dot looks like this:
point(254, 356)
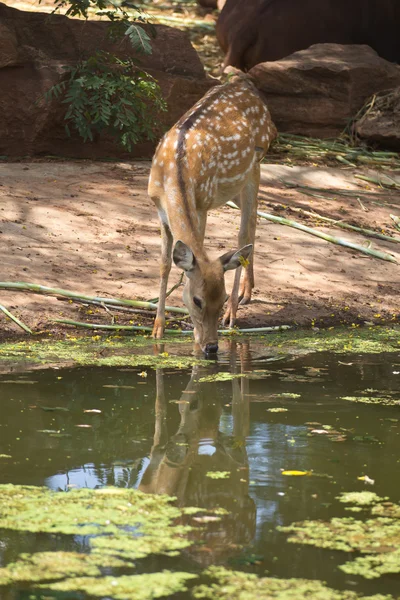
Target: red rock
point(317, 91)
point(34, 47)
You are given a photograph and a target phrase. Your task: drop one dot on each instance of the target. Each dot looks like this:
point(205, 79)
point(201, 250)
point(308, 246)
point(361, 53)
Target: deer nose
point(212, 348)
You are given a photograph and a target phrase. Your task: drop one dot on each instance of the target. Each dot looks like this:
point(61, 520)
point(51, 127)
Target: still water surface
point(164, 431)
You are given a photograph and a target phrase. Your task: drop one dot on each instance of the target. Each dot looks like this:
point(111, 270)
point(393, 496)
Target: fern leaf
point(139, 39)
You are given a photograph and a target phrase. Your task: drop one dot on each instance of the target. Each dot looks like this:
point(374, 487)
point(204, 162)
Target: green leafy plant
point(104, 92)
point(108, 93)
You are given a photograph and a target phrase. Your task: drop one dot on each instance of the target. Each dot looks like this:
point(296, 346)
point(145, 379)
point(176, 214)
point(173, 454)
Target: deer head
point(204, 293)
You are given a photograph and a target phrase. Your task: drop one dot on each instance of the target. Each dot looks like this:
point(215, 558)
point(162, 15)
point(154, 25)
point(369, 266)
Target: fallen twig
point(174, 287)
point(17, 321)
point(324, 236)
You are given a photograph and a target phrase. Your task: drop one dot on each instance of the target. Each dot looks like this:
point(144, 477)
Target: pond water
point(214, 444)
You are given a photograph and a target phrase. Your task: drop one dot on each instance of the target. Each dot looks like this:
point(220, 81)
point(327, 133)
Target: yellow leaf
point(296, 473)
point(244, 261)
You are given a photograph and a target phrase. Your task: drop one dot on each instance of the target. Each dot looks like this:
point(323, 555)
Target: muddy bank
point(89, 227)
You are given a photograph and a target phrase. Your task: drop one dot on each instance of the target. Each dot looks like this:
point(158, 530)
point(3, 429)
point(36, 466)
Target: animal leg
point(248, 205)
point(249, 201)
point(165, 268)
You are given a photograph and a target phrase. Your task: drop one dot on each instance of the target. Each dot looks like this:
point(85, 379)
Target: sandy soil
point(89, 227)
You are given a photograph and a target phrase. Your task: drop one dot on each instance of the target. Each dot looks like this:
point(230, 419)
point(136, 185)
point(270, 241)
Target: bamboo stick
point(336, 192)
point(338, 149)
point(17, 321)
point(49, 291)
point(384, 184)
point(367, 232)
point(324, 236)
point(396, 221)
point(118, 327)
point(137, 311)
point(169, 331)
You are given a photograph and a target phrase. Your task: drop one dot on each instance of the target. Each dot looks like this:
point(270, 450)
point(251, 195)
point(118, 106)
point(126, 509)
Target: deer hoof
point(229, 317)
point(245, 300)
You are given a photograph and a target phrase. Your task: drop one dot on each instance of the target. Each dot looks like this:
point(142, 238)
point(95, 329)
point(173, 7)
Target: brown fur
point(210, 156)
point(255, 31)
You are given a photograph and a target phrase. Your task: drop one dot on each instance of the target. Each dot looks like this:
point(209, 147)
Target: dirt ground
point(90, 228)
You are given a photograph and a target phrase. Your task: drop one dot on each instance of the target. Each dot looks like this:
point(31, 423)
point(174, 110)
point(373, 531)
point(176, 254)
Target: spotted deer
point(212, 155)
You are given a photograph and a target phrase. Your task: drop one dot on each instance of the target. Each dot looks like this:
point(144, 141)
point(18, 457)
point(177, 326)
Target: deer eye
point(197, 301)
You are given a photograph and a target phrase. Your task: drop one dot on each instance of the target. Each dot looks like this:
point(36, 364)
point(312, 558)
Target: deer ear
point(235, 258)
point(183, 256)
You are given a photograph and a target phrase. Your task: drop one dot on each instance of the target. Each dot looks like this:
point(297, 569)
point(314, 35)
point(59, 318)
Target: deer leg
point(249, 201)
point(248, 205)
point(165, 268)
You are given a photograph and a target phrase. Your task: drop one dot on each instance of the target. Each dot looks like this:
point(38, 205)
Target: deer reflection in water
point(180, 464)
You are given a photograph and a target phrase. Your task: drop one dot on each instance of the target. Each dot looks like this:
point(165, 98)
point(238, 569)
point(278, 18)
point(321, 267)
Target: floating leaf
point(296, 473)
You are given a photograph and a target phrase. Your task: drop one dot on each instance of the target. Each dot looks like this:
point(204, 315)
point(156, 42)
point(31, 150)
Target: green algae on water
point(108, 350)
point(374, 566)
point(51, 566)
point(347, 534)
point(103, 515)
point(235, 585)
point(223, 376)
point(95, 351)
point(218, 474)
point(378, 537)
point(360, 498)
point(377, 400)
point(127, 587)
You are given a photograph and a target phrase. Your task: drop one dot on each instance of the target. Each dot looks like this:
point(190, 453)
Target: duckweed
point(360, 498)
point(381, 400)
point(103, 514)
point(379, 537)
point(235, 585)
point(127, 587)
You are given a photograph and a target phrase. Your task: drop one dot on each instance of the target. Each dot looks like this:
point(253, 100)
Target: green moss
point(234, 585)
point(127, 587)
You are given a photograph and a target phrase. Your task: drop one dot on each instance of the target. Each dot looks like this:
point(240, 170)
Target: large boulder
point(380, 122)
point(34, 48)
point(317, 91)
